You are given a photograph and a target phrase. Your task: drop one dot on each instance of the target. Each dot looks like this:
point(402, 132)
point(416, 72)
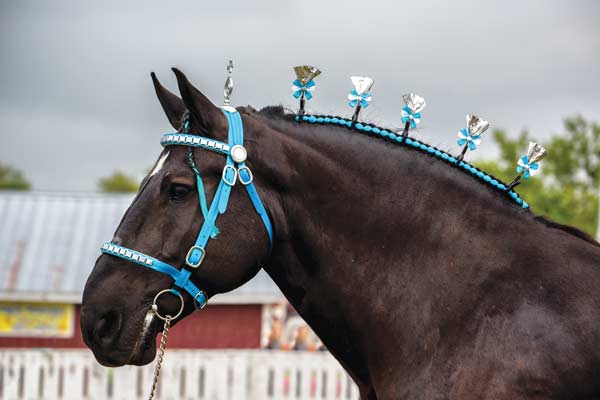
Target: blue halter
point(235, 169)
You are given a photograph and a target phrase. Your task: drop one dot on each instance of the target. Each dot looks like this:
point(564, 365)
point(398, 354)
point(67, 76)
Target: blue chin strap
point(235, 170)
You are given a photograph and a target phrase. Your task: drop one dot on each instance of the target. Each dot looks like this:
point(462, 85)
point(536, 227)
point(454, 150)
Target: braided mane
point(393, 137)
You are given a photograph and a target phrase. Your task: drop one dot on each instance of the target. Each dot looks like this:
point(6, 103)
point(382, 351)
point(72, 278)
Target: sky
point(77, 102)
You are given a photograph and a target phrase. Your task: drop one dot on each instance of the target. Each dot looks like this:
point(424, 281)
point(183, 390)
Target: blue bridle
point(235, 169)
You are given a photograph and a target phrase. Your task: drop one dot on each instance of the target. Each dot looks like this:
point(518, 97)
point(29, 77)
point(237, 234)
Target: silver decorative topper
point(470, 137)
point(535, 153)
point(362, 84)
point(476, 125)
point(228, 89)
point(360, 96)
point(414, 102)
point(306, 73)
point(528, 165)
point(411, 113)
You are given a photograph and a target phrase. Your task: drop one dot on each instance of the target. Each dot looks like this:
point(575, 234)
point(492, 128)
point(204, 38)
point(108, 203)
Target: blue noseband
point(235, 169)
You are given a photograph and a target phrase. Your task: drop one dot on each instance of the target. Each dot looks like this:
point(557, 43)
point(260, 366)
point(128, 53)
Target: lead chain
point(161, 354)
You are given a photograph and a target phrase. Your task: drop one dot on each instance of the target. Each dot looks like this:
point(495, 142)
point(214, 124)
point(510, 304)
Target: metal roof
point(50, 241)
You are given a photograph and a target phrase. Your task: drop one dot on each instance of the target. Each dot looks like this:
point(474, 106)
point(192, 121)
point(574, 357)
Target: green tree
point(118, 182)
point(12, 179)
point(566, 190)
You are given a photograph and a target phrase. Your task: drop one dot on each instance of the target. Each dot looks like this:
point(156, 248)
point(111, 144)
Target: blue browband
point(235, 169)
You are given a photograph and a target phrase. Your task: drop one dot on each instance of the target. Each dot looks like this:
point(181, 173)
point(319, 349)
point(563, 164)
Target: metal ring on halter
point(155, 306)
point(203, 304)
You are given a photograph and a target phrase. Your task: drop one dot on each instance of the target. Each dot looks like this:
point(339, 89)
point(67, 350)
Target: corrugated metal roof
point(49, 243)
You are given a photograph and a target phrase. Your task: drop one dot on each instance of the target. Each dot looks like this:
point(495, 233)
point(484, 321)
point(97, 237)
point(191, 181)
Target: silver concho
point(238, 153)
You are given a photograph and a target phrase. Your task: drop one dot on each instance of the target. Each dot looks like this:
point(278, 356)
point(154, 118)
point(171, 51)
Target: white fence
point(186, 374)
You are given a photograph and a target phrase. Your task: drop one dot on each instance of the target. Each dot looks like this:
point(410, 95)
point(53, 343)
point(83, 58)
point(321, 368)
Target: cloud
point(75, 87)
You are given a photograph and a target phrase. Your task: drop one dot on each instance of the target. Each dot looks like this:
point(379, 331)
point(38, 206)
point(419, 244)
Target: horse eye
point(178, 191)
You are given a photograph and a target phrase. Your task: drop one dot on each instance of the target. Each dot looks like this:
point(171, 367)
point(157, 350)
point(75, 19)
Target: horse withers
point(424, 282)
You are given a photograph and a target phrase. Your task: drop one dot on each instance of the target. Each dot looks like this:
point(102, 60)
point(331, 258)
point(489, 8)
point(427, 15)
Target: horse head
point(163, 223)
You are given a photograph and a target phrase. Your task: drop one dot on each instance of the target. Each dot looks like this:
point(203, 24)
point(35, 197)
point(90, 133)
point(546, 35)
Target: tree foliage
point(118, 182)
point(12, 179)
point(566, 190)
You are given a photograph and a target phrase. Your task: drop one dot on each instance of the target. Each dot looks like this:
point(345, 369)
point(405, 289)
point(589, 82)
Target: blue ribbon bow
point(355, 98)
point(407, 115)
point(299, 88)
point(466, 137)
point(529, 168)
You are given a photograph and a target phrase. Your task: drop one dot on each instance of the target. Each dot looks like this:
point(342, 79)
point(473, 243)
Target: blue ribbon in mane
point(300, 88)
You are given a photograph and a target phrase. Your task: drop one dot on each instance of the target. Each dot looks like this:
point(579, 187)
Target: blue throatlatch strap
point(231, 173)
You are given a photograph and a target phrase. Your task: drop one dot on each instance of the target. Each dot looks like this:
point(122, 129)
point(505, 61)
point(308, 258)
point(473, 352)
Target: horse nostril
point(107, 328)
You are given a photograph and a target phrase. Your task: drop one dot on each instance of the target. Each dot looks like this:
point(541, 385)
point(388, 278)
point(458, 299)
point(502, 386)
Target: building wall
point(214, 327)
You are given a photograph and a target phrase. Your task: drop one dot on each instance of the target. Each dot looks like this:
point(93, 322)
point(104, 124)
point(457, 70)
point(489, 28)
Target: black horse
point(424, 282)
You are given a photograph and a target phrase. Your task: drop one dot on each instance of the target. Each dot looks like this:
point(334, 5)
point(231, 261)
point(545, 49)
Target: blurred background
point(80, 126)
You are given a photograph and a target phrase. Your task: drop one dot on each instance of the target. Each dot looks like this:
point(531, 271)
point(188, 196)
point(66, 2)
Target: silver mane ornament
point(362, 84)
point(476, 125)
point(470, 137)
point(535, 153)
point(306, 73)
point(411, 113)
point(360, 97)
point(529, 164)
point(414, 102)
point(304, 84)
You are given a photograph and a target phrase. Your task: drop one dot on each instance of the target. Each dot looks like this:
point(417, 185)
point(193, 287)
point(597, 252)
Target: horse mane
point(282, 114)
point(279, 113)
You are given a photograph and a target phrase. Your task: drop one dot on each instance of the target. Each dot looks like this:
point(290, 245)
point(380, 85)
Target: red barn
point(48, 245)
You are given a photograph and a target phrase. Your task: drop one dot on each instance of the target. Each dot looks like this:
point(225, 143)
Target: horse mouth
point(144, 349)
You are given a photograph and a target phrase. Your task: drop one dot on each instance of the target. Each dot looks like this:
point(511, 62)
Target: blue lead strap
point(230, 175)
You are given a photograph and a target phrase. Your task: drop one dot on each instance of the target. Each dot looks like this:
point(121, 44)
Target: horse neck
point(335, 191)
point(353, 215)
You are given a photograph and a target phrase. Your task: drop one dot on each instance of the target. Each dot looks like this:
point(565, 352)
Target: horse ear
point(206, 117)
point(172, 105)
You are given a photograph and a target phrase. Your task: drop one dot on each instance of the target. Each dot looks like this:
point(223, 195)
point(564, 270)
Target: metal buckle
point(203, 304)
point(224, 177)
point(251, 177)
point(187, 258)
point(155, 305)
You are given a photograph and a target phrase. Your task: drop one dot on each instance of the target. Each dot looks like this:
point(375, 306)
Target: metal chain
point(161, 354)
